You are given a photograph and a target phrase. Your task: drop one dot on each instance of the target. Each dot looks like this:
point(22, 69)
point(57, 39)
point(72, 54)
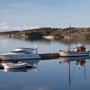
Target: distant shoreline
point(77, 34)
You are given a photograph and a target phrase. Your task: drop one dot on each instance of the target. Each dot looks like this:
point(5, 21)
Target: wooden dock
point(50, 55)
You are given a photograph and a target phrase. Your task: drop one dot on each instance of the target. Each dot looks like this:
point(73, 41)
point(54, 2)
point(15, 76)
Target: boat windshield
point(18, 51)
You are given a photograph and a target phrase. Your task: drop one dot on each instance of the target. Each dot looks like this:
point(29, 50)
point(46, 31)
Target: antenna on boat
point(36, 46)
point(69, 39)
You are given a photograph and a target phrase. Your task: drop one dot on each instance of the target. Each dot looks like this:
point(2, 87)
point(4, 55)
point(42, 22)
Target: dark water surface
point(55, 74)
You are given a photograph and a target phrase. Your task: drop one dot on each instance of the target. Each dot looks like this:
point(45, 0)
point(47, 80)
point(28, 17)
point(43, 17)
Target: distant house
point(51, 37)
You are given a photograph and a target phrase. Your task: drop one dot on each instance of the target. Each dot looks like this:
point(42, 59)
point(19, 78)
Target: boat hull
point(19, 57)
point(73, 54)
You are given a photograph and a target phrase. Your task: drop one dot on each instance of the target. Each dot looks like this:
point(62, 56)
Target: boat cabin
point(80, 48)
point(25, 50)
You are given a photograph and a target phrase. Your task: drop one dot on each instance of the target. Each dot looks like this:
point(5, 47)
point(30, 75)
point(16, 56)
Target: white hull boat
point(21, 54)
point(79, 51)
point(14, 65)
point(73, 54)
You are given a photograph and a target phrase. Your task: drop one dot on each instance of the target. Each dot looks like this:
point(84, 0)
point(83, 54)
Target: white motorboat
point(14, 65)
point(21, 54)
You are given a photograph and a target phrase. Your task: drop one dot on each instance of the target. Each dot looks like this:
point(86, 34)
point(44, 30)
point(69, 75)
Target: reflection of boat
point(79, 51)
point(31, 62)
point(21, 54)
point(67, 59)
point(80, 61)
point(19, 70)
point(14, 65)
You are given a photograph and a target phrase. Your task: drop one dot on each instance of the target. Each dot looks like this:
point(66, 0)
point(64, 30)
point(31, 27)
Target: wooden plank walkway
point(50, 55)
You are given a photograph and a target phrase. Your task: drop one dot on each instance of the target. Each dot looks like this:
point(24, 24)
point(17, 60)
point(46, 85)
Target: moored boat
point(79, 51)
point(21, 54)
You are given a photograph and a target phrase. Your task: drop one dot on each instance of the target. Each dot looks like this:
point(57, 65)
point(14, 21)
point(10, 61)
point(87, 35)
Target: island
point(77, 34)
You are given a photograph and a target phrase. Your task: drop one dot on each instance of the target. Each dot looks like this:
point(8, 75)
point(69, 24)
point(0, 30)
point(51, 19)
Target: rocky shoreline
point(77, 34)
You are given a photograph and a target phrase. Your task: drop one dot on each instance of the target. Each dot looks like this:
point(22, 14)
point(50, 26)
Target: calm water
point(55, 74)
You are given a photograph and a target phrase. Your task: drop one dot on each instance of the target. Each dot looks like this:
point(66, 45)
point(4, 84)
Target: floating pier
point(50, 55)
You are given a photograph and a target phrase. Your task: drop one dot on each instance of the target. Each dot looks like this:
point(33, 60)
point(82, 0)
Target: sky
point(30, 14)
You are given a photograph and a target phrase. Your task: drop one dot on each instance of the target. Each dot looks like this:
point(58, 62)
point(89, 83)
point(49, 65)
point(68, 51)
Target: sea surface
point(53, 74)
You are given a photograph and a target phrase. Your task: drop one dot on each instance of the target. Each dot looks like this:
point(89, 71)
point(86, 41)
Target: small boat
point(79, 51)
point(73, 54)
point(21, 54)
point(14, 65)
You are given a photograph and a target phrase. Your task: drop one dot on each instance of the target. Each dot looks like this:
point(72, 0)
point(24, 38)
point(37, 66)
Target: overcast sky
point(24, 14)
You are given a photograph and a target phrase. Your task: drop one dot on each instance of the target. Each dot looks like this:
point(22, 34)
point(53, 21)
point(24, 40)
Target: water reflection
point(79, 61)
point(71, 59)
point(20, 69)
point(31, 65)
